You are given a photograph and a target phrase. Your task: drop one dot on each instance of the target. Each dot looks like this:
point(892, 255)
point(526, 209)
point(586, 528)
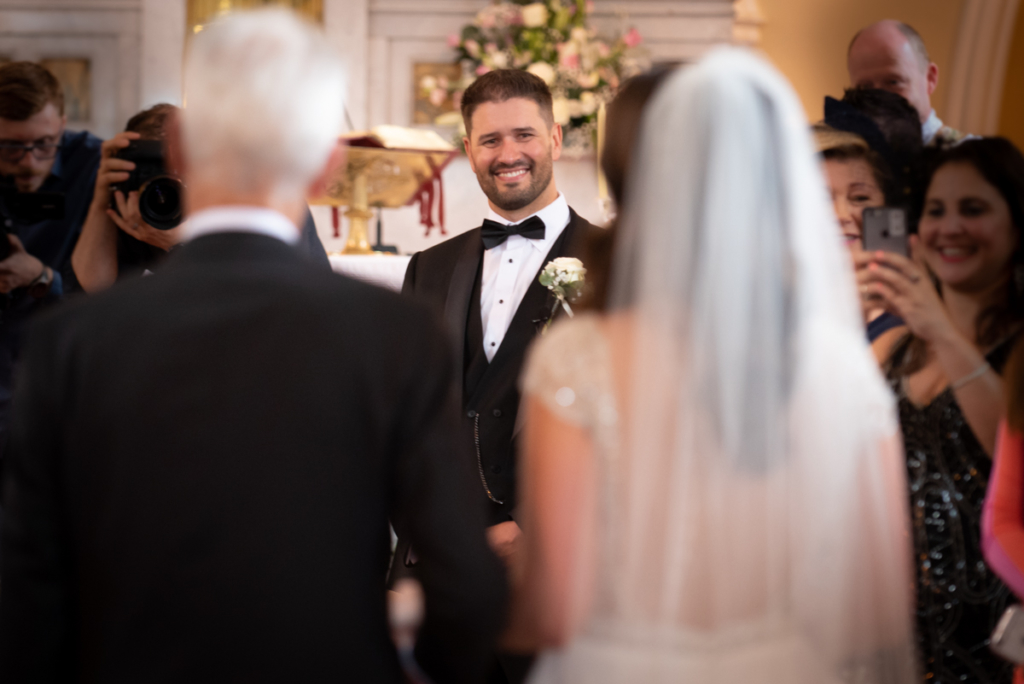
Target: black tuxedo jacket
point(203, 466)
point(446, 278)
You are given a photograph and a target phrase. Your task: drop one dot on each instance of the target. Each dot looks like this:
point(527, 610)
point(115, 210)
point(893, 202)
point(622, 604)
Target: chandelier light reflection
point(201, 12)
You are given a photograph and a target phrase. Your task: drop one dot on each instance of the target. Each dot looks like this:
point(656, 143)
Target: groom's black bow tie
point(494, 233)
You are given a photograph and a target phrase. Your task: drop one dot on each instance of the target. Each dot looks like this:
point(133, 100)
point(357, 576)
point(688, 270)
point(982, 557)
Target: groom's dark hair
point(504, 84)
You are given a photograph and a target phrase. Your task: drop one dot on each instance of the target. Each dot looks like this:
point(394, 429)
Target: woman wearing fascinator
point(714, 485)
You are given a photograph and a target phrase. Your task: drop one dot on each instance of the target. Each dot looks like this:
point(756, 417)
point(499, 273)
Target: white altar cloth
point(386, 271)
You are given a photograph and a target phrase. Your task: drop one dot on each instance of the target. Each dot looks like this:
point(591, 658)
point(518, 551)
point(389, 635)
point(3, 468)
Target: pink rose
point(590, 6)
point(453, 41)
point(437, 97)
point(569, 60)
point(482, 69)
point(633, 38)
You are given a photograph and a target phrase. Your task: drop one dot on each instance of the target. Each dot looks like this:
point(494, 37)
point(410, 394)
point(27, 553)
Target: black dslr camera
point(160, 193)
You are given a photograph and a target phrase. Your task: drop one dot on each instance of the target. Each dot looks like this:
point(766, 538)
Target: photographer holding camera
point(137, 207)
point(47, 176)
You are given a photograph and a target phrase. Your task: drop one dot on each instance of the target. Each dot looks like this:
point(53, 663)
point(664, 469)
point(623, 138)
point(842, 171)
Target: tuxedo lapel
point(456, 303)
point(536, 305)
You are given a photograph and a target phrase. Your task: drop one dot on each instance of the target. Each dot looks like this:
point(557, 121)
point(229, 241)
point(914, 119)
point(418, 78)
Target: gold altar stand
point(379, 176)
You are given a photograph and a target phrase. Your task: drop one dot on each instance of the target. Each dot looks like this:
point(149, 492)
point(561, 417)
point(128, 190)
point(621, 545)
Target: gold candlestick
point(358, 214)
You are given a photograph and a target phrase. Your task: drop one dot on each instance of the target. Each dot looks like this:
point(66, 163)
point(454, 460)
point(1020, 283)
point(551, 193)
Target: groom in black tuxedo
point(483, 283)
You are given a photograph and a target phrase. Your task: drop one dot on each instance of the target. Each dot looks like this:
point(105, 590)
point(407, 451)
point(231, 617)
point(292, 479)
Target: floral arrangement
point(552, 40)
point(564, 277)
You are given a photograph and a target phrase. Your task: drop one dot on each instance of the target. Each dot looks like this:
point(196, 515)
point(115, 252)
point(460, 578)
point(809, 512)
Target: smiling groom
point(483, 283)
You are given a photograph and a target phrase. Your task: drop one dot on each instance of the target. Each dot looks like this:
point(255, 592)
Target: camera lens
point(160, 203)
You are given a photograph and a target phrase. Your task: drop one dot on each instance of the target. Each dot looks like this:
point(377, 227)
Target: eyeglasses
point(12, 153)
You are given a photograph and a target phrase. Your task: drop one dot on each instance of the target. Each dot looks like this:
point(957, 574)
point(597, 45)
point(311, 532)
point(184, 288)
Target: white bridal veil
point(755, 528)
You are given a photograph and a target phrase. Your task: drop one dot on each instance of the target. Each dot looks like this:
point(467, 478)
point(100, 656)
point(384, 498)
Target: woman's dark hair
point(622, 127)
point(151, 123)
point(1001, 164)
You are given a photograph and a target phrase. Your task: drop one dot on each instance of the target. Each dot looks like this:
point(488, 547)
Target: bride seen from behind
point(714, 485)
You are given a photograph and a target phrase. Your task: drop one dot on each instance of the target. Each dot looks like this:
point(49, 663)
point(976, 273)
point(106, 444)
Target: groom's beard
point(516, 195)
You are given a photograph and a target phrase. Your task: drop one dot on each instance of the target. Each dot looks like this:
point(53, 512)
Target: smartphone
point(885, 228)
point(1008, 637)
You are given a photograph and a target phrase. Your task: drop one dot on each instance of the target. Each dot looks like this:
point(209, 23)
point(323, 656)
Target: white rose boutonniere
point(564, 277)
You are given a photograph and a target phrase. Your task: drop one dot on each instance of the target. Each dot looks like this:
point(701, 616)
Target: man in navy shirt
point(37, 155)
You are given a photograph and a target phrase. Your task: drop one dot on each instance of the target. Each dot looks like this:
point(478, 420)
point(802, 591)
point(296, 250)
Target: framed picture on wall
point(432, 96)
point(75, 76)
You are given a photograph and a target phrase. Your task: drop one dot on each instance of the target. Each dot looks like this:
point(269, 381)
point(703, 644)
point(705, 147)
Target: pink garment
point(1002, 517)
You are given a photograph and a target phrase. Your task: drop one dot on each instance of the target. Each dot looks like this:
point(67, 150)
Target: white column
point(162, 52)
point(346, 23)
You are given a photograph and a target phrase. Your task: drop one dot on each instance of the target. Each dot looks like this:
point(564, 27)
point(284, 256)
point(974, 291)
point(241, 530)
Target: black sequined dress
point(959, 599)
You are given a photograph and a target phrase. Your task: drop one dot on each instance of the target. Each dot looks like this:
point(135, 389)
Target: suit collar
point(460, 290)
point(231, 246)
point(536, 305)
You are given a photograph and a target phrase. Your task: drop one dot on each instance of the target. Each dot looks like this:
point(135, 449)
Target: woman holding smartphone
point(962, 299)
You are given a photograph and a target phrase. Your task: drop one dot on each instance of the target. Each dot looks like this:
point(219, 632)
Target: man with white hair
point(204, 462)
point(890, 55)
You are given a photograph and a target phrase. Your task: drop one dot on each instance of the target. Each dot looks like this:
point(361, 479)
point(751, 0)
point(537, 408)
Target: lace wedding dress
point(769, 629)
point(751, 518)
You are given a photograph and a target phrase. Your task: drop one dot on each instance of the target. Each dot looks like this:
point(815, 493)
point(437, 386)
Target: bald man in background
point(891, 55)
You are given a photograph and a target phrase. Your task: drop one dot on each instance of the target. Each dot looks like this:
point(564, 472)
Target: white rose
point(579, 34)
point(575, 109)
point(543, 71)
point(570, 266)
point(589, 103)
point(535, 15)
point(588, 79)
point(428, 83)
point(499, 60)
point(560, 107)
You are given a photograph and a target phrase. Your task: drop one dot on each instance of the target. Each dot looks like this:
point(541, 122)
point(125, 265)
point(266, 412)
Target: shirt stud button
point(496, 469)
point(497, 413)
point(471, 414)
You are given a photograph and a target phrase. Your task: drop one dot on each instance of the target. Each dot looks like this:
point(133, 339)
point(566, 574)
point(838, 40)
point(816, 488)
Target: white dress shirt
point(509, 270)
point(240, 219)
point(931, 127)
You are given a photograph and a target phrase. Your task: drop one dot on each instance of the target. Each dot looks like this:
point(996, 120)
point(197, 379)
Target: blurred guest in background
point(691, 512)
point(890, 127)
point(1002, 521)
point(117, 242)
point(891, 55)
point(205, 462)
point(962, 298)
point(856, 177)
point(622, 124)
point(37, 155)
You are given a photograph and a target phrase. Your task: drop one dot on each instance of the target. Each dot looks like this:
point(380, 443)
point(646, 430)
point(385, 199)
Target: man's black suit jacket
point(203, 466)
point(446, 278)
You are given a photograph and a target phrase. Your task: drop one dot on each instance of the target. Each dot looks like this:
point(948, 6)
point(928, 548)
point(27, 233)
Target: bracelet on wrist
point(972, 376)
